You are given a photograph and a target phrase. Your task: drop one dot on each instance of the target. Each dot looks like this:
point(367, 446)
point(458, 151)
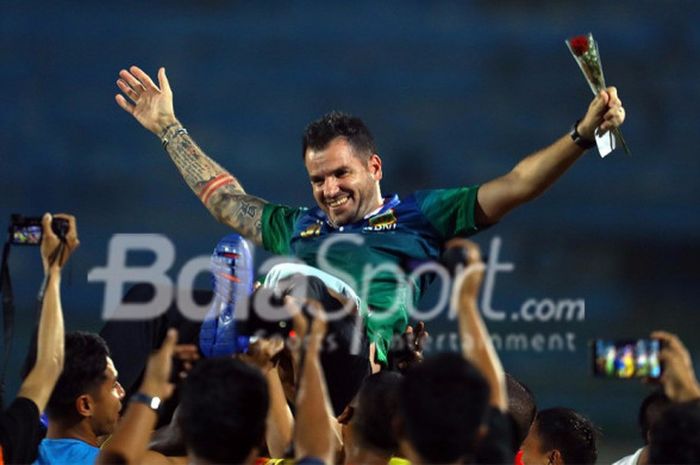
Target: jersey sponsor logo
point(311, 231)
point(383, 222)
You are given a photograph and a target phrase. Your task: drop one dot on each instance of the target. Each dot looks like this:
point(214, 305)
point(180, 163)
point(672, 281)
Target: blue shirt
point(66, 451)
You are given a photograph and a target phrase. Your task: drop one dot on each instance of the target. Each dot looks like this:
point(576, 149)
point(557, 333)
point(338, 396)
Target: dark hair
point(321, 132)
point(521, 409)
point(653, 406)
point(223, 409)
point(675, 437)
point(442, 403)
point(83, 370)
point(569, 432)
point(377, 406)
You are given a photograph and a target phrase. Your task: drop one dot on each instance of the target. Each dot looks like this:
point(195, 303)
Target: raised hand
point(151, 105)
point(156, 378)
point(605, 112)
point(678, 378)
point(410, 348)
point(53, 256)
point(262, 352)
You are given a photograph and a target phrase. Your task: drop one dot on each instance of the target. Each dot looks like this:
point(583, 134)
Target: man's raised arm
point(534, 174)
point(219, 191)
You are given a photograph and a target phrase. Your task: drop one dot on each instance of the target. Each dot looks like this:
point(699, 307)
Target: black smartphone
point(626, 358)
point(28, 230)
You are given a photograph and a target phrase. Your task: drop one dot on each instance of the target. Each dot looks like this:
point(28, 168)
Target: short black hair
point(321, 132)
point(522, 408)
point(377, 407)
point(569, 432)
point(443, 402)
point(223, 409)
point(83, 370)
point(675, 437)
point(653, 406)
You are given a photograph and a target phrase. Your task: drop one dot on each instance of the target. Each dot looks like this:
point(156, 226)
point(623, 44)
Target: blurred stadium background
point(455, 93)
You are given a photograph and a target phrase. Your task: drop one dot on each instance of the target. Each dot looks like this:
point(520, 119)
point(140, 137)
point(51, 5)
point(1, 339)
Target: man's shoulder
point(66, 450)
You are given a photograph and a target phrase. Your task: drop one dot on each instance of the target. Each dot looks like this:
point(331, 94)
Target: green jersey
point(384, 256)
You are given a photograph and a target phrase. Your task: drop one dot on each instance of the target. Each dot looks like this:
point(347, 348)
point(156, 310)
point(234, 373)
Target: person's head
point(343, 166)
point(560, 436)
point(223, 408)
point(375, 412)
point(87, 390)
point(442, 404)
point(653, 406)
point(521, 408)
point(675, 437)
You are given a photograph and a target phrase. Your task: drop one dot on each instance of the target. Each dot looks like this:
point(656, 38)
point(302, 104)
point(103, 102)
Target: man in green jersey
point(355, 233)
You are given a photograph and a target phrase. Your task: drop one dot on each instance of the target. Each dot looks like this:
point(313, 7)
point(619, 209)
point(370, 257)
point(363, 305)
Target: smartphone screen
point(625, 359)
point(26, 234)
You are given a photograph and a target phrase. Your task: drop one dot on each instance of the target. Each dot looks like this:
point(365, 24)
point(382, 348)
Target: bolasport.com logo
point(533, 312)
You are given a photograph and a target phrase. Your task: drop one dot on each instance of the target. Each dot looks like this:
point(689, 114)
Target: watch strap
point(152, 402)
point(578, 139)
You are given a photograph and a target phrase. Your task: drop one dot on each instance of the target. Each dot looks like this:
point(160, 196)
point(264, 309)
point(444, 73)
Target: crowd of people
point(446, 408)
point(340, 387)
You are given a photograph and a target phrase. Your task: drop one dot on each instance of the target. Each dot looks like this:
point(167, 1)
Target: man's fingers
point(128, 91)
point(134, 83)
point(144, 78)
point(613, 118)
point(72, 235)
point(163, 80)
point(186, 352)
point(666, 337)
point(126, 106)
point(46, 225)
point(599, 103)
point(615, 113)
point(167, 349)
point(613, 99)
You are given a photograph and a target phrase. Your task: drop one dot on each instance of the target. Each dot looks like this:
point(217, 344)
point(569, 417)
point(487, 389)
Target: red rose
point(579, 45)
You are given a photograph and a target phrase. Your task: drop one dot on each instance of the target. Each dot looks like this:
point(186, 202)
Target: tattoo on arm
point(218, 190)
point(240, 211)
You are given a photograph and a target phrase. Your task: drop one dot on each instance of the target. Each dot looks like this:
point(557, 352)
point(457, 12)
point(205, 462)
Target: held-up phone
point(28, 230)
point(626, 358)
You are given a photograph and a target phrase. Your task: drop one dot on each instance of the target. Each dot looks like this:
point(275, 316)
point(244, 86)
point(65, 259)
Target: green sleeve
point(277, 226)
point(450, 211)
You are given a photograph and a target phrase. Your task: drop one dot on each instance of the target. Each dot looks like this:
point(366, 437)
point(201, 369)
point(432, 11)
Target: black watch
point(578, 139)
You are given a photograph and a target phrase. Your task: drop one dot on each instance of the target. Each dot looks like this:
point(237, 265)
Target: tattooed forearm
point(194, 165)
point(240, 211)
point(218, 190)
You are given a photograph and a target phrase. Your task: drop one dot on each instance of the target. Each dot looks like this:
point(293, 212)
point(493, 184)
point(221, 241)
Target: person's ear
point(555, 458)
point(374, 165)
point(84, 405)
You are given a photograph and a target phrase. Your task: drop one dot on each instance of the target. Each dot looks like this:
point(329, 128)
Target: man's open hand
point(152, 106)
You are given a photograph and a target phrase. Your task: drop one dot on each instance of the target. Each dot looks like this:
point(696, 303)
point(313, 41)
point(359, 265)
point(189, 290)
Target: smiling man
point(369, 241)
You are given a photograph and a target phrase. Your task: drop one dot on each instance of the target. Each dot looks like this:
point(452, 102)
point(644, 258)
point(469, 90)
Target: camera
point(28, 230)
